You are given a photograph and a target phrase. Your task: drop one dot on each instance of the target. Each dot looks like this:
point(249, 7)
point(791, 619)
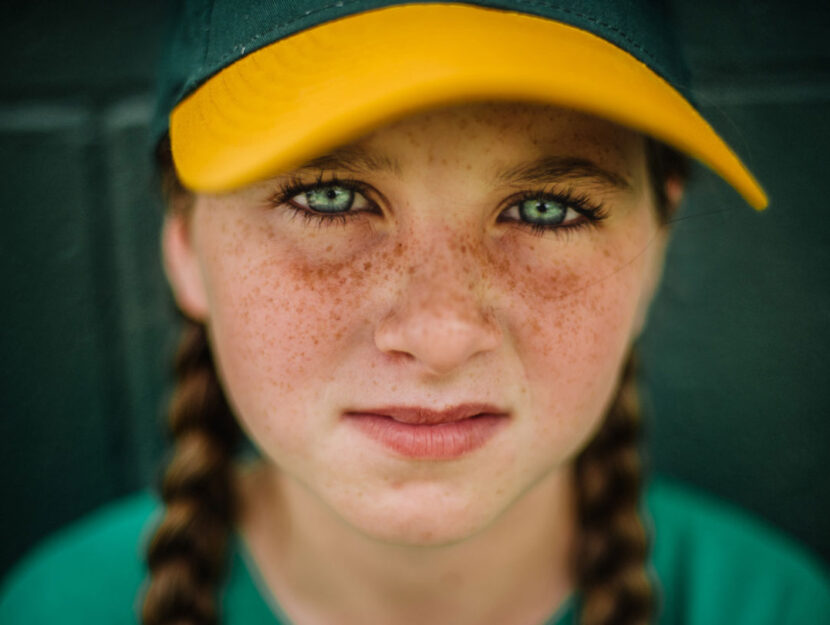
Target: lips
point(417, 415)
point(426, 433)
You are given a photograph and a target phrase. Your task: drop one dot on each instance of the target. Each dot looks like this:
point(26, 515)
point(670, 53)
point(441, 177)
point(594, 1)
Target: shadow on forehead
point(356, 159)
point(527, 119)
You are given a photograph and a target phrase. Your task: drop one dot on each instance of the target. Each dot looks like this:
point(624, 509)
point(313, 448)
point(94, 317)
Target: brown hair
point(187, 554)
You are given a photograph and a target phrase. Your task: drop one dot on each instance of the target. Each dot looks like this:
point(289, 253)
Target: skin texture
point(433, 299)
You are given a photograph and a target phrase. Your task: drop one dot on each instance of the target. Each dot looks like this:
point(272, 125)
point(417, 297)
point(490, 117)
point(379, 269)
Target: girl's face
point(492, 258)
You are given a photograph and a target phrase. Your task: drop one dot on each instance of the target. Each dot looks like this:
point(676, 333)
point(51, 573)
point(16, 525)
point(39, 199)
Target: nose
point(438, 319)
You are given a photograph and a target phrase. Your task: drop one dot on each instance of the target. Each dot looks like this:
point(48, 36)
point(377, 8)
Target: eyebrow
point(354, 159)
point(549, 168)
point(546, 169)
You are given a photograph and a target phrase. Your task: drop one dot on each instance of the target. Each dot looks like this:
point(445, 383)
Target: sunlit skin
point(431, 295)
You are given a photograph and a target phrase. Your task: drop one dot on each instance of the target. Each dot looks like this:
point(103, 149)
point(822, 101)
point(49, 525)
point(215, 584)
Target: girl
point(414, 245)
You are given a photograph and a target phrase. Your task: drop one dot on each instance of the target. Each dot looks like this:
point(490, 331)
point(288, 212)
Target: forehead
point(501, 133)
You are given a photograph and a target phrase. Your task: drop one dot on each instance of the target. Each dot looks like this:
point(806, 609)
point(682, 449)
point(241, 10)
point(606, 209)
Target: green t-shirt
point(715, 566)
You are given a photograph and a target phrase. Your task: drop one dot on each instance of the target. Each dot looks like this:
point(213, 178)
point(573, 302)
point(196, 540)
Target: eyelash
point(294, 186)
point(593, 212)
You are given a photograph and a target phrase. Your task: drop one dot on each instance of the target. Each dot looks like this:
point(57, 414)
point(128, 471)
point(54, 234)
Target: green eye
point(329, 199)
point(542, 212)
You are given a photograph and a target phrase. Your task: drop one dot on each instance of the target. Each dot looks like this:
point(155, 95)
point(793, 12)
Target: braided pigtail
point(186, 556)
point(612, 547)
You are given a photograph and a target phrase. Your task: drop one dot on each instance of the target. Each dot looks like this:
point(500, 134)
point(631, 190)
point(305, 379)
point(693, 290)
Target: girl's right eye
point(330, 199)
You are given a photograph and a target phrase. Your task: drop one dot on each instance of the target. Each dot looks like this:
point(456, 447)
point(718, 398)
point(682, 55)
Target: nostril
point(440, 340)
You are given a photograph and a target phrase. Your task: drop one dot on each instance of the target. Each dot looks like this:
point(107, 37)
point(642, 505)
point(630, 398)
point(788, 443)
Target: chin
point(428, 520)
point(421, 532)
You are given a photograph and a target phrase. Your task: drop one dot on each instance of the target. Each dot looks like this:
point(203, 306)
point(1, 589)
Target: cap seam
point(209, 23)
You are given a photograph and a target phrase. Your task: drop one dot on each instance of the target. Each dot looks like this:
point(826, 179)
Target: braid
point(186, 556)
point(612, 548)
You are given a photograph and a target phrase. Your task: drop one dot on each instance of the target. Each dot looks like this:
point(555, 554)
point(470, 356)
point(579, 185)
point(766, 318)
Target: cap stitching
point(208, 22)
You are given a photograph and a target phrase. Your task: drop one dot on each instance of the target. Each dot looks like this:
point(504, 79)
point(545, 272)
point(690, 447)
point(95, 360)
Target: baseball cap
point(249, 88)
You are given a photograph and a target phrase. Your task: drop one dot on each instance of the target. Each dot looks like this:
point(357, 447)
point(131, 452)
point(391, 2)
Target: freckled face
point(433, 291)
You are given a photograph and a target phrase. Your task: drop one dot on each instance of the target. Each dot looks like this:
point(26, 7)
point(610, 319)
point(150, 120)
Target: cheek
point(573, 309)
point(277, 322)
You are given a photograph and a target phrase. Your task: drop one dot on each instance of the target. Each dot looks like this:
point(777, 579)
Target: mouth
point(426, 433)
point(418, 415)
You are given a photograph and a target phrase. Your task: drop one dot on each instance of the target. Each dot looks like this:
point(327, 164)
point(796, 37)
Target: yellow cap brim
point(304, 95)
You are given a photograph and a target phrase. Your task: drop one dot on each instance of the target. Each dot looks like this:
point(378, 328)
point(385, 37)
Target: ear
point(675, 188)
point(181, 264)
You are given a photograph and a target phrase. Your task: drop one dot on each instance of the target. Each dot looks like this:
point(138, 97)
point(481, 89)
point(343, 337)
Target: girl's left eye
point(330, 199)
point(542, 212)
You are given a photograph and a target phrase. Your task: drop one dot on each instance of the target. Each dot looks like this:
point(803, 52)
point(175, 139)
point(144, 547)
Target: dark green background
point(736, 369)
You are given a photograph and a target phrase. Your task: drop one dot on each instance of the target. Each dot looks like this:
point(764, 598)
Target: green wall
point(735, 367)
